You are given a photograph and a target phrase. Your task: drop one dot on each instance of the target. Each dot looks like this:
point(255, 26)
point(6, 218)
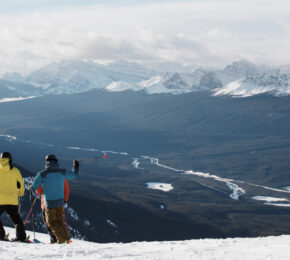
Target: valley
point(229, 157)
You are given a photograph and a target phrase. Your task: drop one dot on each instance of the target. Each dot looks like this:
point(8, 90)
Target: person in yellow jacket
point(11, 187)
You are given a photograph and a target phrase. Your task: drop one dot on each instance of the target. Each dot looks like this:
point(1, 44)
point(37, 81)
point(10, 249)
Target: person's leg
point(2, 230)
point(61, 221)
point(12, 211)
point(55, 220)
point(52, 236)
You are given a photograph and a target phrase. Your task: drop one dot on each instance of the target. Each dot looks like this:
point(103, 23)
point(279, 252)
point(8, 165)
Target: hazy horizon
point(210, 33)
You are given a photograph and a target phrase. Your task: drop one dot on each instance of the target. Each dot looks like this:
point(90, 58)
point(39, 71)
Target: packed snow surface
point(159, 186)
point(202, 249)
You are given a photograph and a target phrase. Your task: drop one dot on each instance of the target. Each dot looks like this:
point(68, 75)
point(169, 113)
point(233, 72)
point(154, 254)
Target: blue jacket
point(52, 181)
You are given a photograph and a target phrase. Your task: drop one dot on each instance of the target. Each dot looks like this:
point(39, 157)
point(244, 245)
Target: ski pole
point(32, 214)
point(19, 205)
point(94, 158)
point(67, 228)
point(30, 210)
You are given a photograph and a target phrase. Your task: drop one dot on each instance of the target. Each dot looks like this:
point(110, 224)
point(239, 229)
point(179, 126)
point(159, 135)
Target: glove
point(76, 164)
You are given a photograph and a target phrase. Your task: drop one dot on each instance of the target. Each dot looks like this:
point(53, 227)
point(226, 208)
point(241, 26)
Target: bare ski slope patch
point(159, 186)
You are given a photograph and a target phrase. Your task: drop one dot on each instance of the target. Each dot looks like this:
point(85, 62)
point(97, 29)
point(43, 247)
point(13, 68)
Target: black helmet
point(51, 157)
point(6, 155)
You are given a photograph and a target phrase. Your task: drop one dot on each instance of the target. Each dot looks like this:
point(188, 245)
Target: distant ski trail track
point(136, 161)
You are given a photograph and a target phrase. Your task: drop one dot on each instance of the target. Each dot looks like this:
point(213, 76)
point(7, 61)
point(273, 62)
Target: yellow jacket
point(9, 192)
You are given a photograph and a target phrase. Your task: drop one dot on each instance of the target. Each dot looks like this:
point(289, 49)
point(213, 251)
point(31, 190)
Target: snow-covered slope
point(238, 70)
point(3, 100)
point(236, 248)
point(276, 81)
point(9, 89)
point(68, 77)
point(174, 83)
point(241, 78)
point(167, 83)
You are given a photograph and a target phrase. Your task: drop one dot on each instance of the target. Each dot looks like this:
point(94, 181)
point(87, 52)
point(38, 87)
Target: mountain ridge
point(239, 79)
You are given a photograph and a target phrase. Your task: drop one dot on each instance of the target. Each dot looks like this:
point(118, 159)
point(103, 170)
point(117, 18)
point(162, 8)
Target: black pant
point(12, 212)
point(52, 236)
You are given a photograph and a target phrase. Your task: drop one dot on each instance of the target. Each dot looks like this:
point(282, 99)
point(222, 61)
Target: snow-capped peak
point(79, 76)
point(166, 83)
point(276, 81)
point(241, 68)
point(240, 88)
point(118, 86)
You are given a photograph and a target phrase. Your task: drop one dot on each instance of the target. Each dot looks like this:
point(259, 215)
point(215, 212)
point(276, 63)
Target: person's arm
point(20, 183)
point(39, 191)
point(66, 190)
point(36, 183)
point(74, 172)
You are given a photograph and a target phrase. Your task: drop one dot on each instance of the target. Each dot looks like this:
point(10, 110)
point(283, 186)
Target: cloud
point(199, 33)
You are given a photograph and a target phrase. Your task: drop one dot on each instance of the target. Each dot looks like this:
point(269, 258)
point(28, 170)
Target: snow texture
point(136, 163)
point(278, 204)
point(9, 137)
point(3, 100)
point(159, 186)
point(70, 211)
point(111, 223)
point(269, 199)
point(87, 222)
point(271, 248)
point(236, 190)
point(272, 201)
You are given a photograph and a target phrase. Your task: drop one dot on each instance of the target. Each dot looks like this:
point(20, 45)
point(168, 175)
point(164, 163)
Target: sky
point(206, 33)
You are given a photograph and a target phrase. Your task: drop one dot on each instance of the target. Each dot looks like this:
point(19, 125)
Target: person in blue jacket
point(52, 180)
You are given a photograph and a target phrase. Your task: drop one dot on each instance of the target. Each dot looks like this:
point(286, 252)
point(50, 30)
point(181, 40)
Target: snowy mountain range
point(240, 79)
point(68, 77)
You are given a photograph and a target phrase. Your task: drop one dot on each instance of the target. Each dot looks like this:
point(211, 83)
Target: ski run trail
point(233, 185)
point(262, 248)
